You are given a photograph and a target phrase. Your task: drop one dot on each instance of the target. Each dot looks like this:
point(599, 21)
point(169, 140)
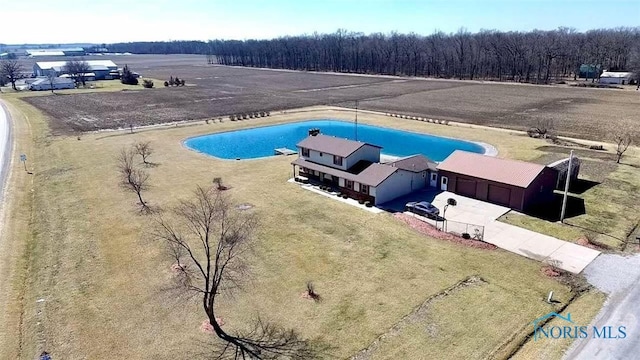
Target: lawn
point(102, 278)
point(608, 218)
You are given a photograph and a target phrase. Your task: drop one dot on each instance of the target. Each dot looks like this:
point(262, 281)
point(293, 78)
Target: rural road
point(619, 277)
point(5, 148)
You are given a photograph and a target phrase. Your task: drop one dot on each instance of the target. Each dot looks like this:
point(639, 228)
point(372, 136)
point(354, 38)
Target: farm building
point(59, 83)
point(55, 52)
point(617, 77)
point(354, 168)
point(511, 183)
point(102, 69)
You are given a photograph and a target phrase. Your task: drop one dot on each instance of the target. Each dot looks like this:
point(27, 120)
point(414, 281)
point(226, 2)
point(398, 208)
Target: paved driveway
point(568, 256)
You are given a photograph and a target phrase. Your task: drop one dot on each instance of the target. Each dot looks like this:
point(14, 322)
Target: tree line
point(536, 56)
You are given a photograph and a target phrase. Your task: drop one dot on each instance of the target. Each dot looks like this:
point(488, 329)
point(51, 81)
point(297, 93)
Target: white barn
point(58, 84)
point(616, 77)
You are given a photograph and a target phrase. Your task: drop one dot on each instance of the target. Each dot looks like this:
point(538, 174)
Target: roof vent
point(314, 132)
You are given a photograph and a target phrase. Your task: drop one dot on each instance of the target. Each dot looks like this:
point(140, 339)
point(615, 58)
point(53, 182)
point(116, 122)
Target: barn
point(616, 77)
point(515, 184)
point(102, 69)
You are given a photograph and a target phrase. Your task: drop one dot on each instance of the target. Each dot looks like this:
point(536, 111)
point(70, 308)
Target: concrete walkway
point(565, 255)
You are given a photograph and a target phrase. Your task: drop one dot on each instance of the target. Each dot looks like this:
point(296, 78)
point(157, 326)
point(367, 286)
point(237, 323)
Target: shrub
point(262, 114)
point(361, 201)
point(268, 113)
point(219, 119)
point(345, 196)
point(206, 121)
point(147, 84)
point(251, 116)
point(166, 83)
point(368, 204)
point(181, 82)
point(596, 147)
point(244, 116)
point(232, 117)
point(466, 236)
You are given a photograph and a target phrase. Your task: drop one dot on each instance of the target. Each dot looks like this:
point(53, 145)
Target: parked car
point(423, 208)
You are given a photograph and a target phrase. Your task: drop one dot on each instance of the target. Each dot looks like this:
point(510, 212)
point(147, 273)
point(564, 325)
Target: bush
point(452, 201)
point(232, 117)
point(166, 84)
point(596, 147)
point(361, 201)
point(147, 84)
point(244, 116)
point(251, 116)
point(219, 119)
point(206, 121)
point(268, 113)
point(345, 196)
point(262, 114)
point(466, 236)
point(181, 82)
point(368, 204)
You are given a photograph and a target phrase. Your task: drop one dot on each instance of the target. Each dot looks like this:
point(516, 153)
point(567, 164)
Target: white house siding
point(341, 182)
point(396, 185)
point(613, 80)
point(325, 159)
point(366, 152)
point(419, 180)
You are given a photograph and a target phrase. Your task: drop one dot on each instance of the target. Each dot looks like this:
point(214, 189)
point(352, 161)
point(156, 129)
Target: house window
point(364, 189)
point(337, 160)
point(320, 154)
point(349, 184)
point(305, 152)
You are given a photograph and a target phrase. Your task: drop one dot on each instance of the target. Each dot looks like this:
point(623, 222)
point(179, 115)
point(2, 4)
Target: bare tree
point(12, 70)
point(78, 69)
point(144, 149)
point(623, 141)
point(133, 178)
point(51, 77)
point(542, 129)
point(209, 241)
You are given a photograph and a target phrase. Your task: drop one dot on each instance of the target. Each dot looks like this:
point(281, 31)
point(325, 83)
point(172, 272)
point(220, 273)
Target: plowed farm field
point(218, 91)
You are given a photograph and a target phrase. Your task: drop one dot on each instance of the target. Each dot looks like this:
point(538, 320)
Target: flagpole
point(356, 120)
point(566, 188)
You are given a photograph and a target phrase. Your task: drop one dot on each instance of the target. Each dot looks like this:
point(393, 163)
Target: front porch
point(315, 187)
point(334, 183)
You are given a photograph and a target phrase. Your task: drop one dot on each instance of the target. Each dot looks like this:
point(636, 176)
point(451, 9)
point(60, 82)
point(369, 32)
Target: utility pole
point(356, 120)
point(566, 188)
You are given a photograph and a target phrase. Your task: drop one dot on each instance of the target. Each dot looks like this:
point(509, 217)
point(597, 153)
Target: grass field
point(613, 191)
point(219, 91)
point(101, 278)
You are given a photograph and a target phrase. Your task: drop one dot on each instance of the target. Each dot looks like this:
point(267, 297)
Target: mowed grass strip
point(103, 277)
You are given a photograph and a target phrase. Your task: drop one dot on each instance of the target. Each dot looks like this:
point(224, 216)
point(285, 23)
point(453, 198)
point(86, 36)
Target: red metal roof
point(511, 172)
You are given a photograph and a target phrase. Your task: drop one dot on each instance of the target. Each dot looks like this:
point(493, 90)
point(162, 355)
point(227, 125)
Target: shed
point(515, 184)
point(616, 77)
point(58, 84)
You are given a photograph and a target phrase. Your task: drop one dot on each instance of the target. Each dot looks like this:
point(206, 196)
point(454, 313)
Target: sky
point(109, 21)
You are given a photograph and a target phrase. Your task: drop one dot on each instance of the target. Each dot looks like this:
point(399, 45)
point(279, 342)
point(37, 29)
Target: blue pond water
point(261, 141)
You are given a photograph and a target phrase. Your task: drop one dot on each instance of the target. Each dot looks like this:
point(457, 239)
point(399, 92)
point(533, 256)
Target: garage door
point(466, 187)
point(499, 195)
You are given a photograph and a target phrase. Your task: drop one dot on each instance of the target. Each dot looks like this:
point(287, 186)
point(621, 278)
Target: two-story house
point(354, 168)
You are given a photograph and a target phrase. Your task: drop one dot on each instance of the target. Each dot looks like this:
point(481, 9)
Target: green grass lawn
point(103, 278)
point(609, 214)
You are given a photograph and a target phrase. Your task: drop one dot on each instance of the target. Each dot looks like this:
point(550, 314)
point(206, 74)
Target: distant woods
point(536, 56)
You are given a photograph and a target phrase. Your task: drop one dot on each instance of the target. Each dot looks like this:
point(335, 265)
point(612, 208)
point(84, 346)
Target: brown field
point(218, 91)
